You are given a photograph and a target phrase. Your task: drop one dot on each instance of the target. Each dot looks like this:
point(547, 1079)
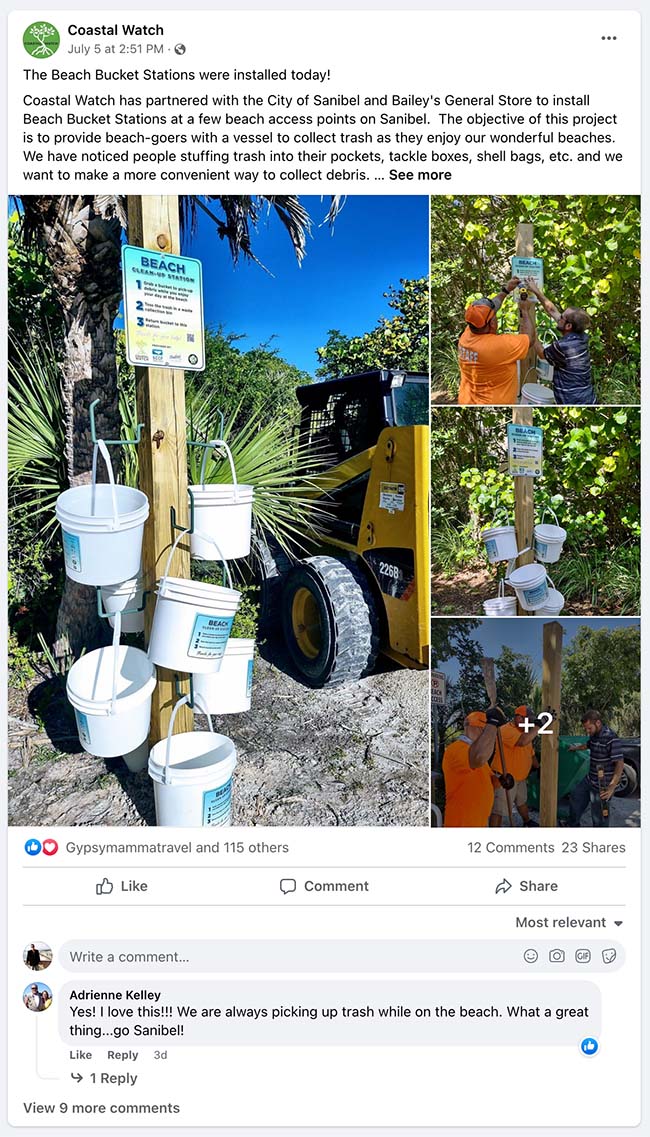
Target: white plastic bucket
point(192, 776)
point(500, 541)
point(191, 622)
point(536, 395)
point(549, 540)
point(530, 582)
point(228, 692)
point(110, 690)
point(501, 605)
point(117, 597)
point(222, 515)
point(136, 760)
point(101, 528)
point(554, 604)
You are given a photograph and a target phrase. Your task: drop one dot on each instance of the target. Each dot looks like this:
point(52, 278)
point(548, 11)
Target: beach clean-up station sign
point(163, 309)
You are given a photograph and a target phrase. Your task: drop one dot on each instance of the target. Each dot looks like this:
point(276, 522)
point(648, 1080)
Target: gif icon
point(583, 955)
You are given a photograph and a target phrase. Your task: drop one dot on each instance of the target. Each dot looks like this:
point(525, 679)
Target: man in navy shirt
point(596, 789)
point(569, 355)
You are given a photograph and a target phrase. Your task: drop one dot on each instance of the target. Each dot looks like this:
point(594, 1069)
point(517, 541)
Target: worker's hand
point(532, 287)
point(506, 781)
point(542, 718)
point(575, 746)
point(607, 793)
point(495, 717)
point(511, 284)
point(525, 305)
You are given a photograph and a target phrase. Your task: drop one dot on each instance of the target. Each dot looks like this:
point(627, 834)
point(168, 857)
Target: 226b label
point(394, 570)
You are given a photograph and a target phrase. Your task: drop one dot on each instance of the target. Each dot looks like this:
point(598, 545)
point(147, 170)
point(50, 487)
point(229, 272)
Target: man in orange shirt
point(488, 361)
point(469, 781)
point(517, 741)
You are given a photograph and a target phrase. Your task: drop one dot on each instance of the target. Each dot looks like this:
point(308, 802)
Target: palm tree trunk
point(81, 236)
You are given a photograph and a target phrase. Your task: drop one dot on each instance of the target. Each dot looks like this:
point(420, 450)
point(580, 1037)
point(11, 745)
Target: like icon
point(32, 847)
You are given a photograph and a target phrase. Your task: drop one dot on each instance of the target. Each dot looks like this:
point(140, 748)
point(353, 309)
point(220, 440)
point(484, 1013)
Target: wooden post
point(524, 502)
point(524, 248)
point(154, 224)
point(551, 695)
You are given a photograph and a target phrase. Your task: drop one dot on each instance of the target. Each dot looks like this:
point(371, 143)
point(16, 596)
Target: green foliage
point(591, 480)
point(516, 679)
point(591, 251)
point(244, 625)
point(399, 342)
point(608, 579)
point(601, 670)
point(250, 383)
point(20, 665)
point(35, 432)
point(31, 302)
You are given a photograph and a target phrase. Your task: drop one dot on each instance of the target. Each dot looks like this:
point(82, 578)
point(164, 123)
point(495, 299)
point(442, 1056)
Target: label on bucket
point(541, 548)
point(535, 596)
point(83, 727)
point(249, 678)
point(209, 636)
point(216, 805)
point(71, 551)
point(491, 547)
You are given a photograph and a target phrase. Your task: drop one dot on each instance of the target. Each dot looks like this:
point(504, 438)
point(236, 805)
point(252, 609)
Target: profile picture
point(37, 997)
point(37, 956)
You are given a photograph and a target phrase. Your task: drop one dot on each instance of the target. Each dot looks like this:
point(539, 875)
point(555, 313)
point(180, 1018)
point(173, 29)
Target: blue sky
point(525, 636)
point(376, 241)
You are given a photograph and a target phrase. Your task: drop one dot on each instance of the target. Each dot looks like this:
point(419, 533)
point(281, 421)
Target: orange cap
point(524, 711)
point(477, 718)
point(479, 314)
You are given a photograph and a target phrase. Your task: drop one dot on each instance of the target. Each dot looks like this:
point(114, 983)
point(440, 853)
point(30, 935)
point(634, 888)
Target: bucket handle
point(100, 446)
point(501, 509)
point(184, 533)
point(553, 514)
point(219, 444)
point(184, 699)
point(512, 563)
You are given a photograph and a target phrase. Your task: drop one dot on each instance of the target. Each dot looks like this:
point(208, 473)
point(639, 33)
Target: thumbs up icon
point(104, 887)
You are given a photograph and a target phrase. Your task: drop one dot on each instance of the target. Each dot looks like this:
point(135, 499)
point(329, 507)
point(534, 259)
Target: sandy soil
point(464, 593)
point(354, 755)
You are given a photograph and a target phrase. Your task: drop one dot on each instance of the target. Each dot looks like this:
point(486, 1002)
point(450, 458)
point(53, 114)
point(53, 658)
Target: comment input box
point(332, 956)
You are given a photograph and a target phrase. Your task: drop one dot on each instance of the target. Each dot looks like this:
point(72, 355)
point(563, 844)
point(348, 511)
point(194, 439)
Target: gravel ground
point(354, 755)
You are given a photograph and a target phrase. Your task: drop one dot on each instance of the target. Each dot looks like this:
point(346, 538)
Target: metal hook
point(179, 693)
point(112, 441)
point(183, 528)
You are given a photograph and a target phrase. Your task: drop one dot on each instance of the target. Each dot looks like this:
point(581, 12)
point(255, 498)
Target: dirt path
point(355, 755)
point(464, 593)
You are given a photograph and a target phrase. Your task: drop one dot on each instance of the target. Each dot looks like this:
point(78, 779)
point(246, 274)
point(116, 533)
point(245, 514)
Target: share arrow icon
point(77, 1077)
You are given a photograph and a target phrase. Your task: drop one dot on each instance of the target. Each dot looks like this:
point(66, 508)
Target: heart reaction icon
point(50, 847)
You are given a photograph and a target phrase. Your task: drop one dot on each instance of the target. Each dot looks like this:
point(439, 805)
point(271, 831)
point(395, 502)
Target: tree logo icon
point(41, 40)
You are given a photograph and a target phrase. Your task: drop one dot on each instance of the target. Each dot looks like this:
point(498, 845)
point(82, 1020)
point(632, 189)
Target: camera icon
point(556, 955)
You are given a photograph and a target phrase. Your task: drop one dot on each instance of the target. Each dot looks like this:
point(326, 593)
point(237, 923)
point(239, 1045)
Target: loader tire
point(330, 621)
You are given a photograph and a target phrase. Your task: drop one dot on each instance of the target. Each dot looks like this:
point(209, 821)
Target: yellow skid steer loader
point(366, 590)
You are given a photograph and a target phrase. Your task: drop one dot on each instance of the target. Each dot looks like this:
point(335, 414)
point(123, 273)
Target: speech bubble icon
point(287, 884)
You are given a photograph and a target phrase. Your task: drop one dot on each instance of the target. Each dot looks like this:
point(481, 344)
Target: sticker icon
point(41, 39)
